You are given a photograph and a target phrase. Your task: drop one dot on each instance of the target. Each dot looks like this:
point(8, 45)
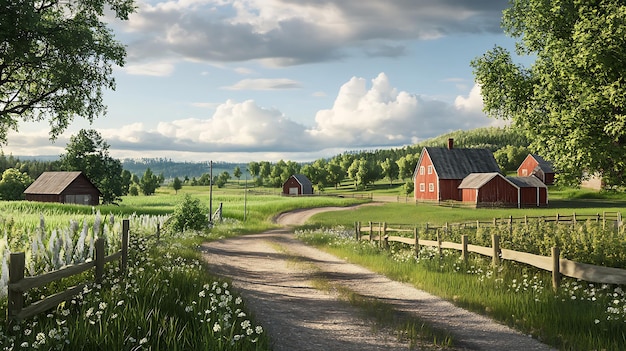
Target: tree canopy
point(572, 99)
point(55, 58)
point(88, 152)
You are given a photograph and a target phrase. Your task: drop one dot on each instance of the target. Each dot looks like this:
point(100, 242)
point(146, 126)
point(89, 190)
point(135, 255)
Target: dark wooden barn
point(489, 189)
point(535, 165)
point(440, 171)
point(533, 192)
point(298, 184)
point(63, 187)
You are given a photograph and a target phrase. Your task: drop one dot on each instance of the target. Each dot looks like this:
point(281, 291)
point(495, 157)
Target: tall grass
point(580, 316)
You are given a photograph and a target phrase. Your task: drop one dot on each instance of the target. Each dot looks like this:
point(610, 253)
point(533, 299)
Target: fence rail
point(19, 284)
point(378, 231)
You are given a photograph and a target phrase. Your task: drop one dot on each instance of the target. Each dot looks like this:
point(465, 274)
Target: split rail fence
point(379, 231)
point(19, 284)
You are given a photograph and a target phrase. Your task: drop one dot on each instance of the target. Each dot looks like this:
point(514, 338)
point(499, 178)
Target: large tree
point(572, 99)
point(55, 58)
point(88, 152)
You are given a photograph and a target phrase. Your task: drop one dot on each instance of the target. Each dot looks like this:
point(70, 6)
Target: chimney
point(450, 143)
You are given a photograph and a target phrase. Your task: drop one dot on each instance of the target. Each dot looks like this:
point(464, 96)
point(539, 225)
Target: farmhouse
point(298, 184)
point(535, 165)
point(63, 187)
point(440, 171)
point(494, 189)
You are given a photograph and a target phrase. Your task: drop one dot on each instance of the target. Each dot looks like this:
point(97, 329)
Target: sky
point(252, 80)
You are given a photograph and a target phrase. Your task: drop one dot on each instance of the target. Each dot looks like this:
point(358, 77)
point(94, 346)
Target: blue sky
point(245, 80)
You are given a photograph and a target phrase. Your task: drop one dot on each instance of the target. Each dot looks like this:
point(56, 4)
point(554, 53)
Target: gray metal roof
point(546, 166)
point(302, 179)
point(459, 163)
point(527, 182)
point(52, 183)
point(477, 180)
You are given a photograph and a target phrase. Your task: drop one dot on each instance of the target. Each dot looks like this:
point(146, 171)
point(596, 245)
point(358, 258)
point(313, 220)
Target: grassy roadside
point(580, 316)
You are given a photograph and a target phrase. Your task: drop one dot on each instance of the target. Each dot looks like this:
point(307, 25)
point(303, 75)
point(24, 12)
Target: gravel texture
point(273, 271)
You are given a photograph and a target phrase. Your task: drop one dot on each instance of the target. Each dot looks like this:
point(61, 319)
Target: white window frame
point(422, 170)
point(431, 187)
point(422, 187)
point(430, 169)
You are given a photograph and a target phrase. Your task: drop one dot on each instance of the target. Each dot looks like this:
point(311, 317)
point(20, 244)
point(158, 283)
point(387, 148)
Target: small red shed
point(533, 192)
point(489, 189)
point(63, 187)
point(298, 184)
point(535, 165)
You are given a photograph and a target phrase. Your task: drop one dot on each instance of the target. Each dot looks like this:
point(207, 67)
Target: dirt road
point(274, 273)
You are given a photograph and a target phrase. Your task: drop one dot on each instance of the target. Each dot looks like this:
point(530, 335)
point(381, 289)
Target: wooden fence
point(18, 284)
point(378, 231)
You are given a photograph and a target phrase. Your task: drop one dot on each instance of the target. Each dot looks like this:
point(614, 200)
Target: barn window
point(524, 172)
point(422, 187)
point(422, 169)
point(430, 169)
point(431, 187)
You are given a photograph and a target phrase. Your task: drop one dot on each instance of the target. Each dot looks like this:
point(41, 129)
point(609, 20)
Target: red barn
point(63, 187)
point(298, 184)
point(440, 171)
point(535, 165)
point(533, 192)
point(489, 189)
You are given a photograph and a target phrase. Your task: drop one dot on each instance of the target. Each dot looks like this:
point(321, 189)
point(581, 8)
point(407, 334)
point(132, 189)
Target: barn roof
point(53, 183)
point(527, 182)
point(459, 163)
point(546, 166)
point(303, 180)
point(477, 180)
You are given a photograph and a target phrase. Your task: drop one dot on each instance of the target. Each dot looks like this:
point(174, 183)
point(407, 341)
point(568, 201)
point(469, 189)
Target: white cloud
point(265, 84)
point(364, 115)
point(287, 32)
point(157, 69)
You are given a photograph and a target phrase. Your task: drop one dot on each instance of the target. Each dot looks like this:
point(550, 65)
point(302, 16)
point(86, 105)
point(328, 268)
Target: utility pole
point(211, 192)
point(245, 194)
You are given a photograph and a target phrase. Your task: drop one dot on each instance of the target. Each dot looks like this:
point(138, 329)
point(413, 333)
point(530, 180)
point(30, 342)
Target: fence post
point(556, 267)
point(158, 232)
point(439, 243)
point(99, 260)
point(124, 260)
point(356, 230)
point(417, 243)
point(510, 225)
point(574, 219)
point(371, 231)
point(603, 219)
point(17, 263)
point(464, 244)
point(557, 218)
point(495, 243)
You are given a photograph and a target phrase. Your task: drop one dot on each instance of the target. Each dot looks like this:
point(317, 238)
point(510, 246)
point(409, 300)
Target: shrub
point(189, 214)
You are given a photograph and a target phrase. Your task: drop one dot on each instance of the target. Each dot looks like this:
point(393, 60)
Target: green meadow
point(172, 301)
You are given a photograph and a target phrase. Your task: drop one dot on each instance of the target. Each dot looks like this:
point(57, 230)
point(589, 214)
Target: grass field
point(165, 292)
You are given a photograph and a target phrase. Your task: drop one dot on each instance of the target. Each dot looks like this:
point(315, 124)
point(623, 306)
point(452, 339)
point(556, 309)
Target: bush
point(189, 214)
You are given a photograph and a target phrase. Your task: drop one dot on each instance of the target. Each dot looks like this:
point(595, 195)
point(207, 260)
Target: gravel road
point(274, 272)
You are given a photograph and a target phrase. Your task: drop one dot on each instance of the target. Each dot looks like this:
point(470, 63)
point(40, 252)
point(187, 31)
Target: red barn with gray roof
point(298, 184)
point(63, 187)
point(440, 171)
point(535, 165)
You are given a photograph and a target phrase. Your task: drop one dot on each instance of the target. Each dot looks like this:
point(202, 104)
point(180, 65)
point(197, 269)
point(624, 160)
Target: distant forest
point(507, 143)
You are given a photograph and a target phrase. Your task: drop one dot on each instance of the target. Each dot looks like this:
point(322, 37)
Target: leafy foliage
point(189, 214)
point(88, 152)
point(570, 101)
point(55, 58)
point(13, 184)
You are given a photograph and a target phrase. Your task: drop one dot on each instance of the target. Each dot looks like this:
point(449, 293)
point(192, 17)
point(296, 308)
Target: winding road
point(274, 273)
